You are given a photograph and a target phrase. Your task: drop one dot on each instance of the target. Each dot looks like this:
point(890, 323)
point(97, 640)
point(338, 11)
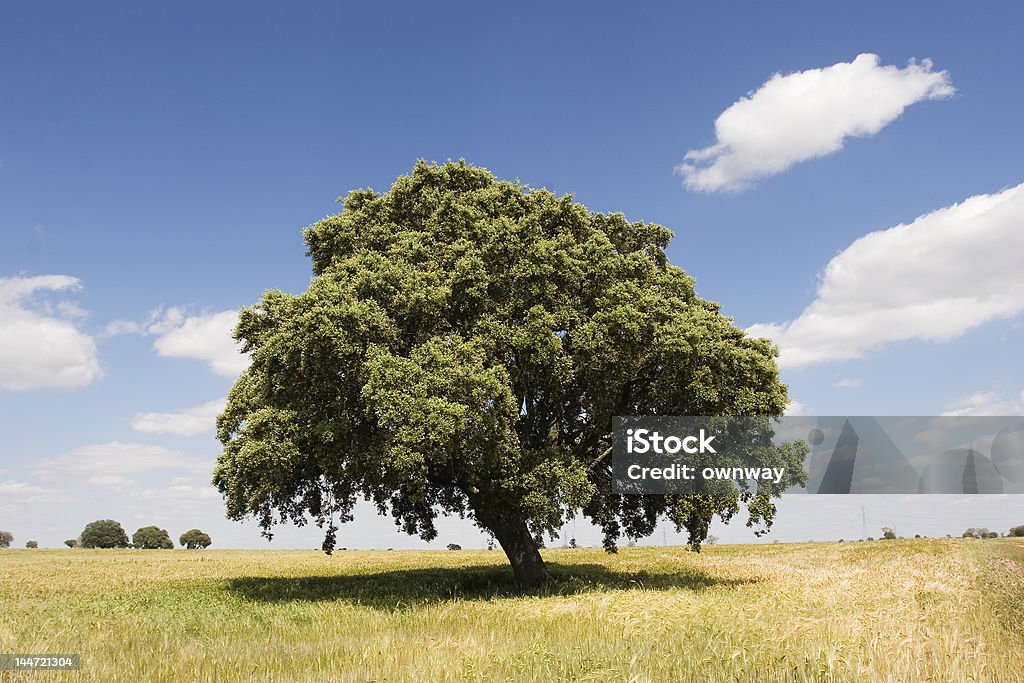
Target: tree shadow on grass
point(411, 587)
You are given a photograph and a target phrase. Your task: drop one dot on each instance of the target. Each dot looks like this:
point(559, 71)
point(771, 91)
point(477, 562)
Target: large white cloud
point(935, 278)
point(40, 346)
point(208, 338)
point(805, 115)
point(186, 422)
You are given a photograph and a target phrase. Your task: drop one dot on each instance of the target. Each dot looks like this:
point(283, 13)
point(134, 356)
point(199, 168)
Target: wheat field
point(905, 610)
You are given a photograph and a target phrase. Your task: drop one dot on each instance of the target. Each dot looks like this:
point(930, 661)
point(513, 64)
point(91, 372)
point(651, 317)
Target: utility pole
point(863, 522)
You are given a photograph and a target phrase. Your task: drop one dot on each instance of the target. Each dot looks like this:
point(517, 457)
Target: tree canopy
point(194, 539)
point(104, 533)
point(462, 349)
point(152, 538)
point(6, 538)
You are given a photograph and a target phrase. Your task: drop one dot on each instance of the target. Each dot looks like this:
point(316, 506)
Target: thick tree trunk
point(523, 555)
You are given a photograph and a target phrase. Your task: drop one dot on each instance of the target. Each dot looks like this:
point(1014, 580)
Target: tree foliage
point(1017, 530)
point(462, 349)
point(979, 532)
point(194, 539)
point(71, 543)
point(32, 544)
point(104, 533)
point(152, 538)
point(6, 538)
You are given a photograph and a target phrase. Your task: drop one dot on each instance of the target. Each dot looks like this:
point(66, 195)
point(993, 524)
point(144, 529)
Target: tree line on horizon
point(108, 533)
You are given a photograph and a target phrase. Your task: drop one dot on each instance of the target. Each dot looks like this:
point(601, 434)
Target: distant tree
point(888, 532)
point(152, 538)
point(104, 533)
point(71, 542)
point(991, 534)
point(976, 532)
point(6, 538)
point(195, 539)
point(1017, 530)
point(454, 546)
point(967, 534)
point(712, 540)
point(32, 544)
point(871, 538)
point(572, 543)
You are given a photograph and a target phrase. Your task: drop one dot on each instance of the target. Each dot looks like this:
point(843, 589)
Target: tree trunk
point(523, 555)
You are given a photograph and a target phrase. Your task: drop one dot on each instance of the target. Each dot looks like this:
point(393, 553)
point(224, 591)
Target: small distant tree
point(6, 538)
point(712, 540)
point(152, 538)
point(572, 542)
point(1017, 530)
point(991, 534)
point(888, 532)
point(976, 532)
point(454, 546)
point(104, 533)
point(71, 543)
point(32, 544)
point(194, 539)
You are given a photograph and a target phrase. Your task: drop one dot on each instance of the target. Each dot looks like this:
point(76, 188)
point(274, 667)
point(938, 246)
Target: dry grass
point(915, 610)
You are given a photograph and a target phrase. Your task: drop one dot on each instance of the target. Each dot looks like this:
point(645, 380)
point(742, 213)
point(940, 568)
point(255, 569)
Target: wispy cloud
point(116, 459)
point(30, 493)
point(849, 383)
point(935, 278)
point(40, 345)
point(984, 403)
point(805, 115)
point(185, 422)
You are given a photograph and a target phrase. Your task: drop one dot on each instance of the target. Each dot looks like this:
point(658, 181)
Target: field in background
point(907, 610)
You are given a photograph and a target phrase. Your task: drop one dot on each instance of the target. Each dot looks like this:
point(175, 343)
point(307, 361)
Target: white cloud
point(848, 383)
point(30, 493)
point(39, 347)
point(206, 337)
point(934, 279)
point(795, 408)
point(116, 327)
point(116, 459)
point(985, 403)
point(111, 481)
point(186, 422)
point(805, 115)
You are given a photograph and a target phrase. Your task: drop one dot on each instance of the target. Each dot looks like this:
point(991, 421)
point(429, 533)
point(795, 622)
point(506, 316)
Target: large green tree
point(195, 539)
point(152, 538)
point(462, 349)
point(104, 533)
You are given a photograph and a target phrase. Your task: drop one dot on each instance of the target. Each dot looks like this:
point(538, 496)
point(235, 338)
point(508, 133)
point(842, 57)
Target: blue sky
point(157, 166)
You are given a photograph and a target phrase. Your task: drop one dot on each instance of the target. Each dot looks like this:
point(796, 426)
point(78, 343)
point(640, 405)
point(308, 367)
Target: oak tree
point(461, 349)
